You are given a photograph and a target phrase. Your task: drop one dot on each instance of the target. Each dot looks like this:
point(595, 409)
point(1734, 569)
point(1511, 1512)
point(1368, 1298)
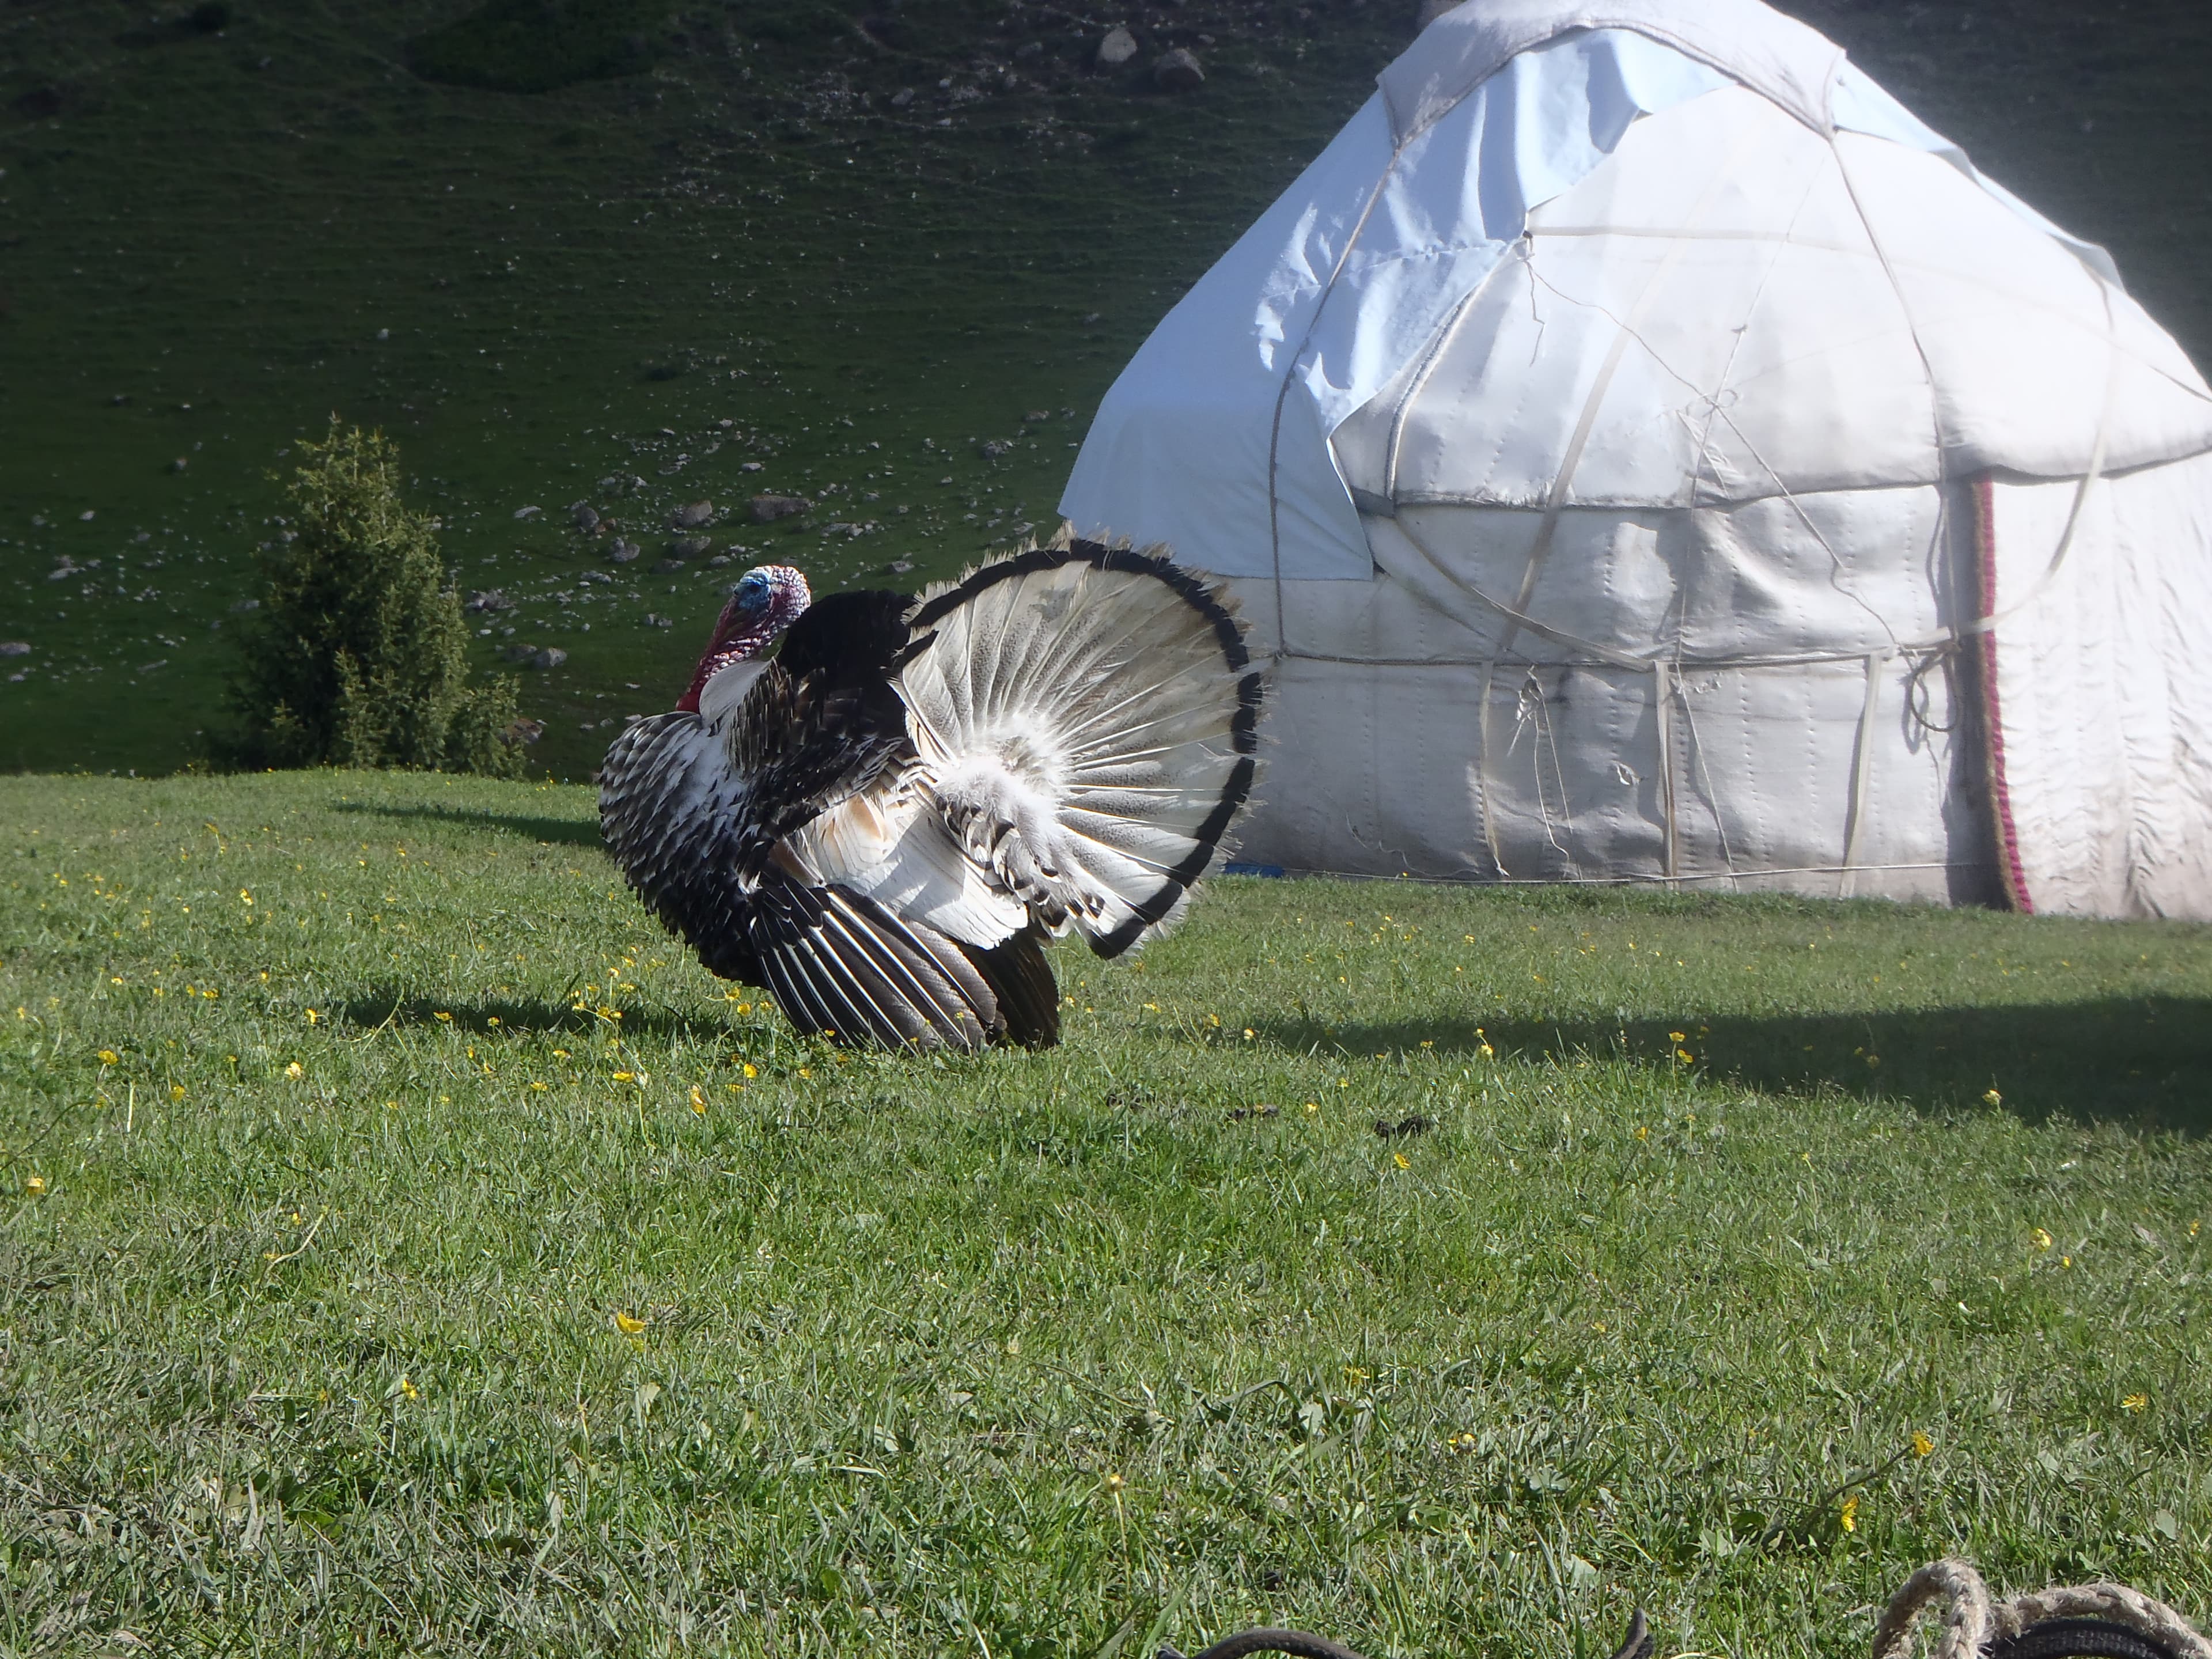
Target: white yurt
point(1650, 454)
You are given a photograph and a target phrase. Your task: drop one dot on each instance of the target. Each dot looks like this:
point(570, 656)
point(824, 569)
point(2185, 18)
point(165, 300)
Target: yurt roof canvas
point(1990, 338)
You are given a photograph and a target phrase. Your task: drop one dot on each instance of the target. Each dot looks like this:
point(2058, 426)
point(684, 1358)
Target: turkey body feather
point(883, 823)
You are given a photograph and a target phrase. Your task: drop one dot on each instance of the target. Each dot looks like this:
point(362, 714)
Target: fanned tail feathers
point(1087, 717)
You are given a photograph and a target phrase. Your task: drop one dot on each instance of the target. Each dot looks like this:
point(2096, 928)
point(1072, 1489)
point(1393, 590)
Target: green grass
point(238, 232)
point(345, 1357)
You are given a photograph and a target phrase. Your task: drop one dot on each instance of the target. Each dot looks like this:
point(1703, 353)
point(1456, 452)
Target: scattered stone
point(719, 560)
point(119, 399)
point(751, 466)
point(527, 512)
point(692, 516)
point(1117, 49)
point(148, 668)
point(585, 516)
point(487, 600)
point(384, 334)
point(690, 547)
point(624, 551)
point(244, 605)
point(994, 447)
point(900, 567)
point(521, 731)
point(551, 656)
point(1178, 70)
point(1037, 417)
point(180, 464)
point(14, 647)
point(902, 97)
point(668, 567)
point(653, 621)
point(1432, 9)
point(1415, 1125)
point(517, 653)
point(66, 569)
point(769, 509)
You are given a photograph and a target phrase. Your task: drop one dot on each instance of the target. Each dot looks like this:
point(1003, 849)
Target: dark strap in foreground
point(1637, 1644)
point(2080, 1638)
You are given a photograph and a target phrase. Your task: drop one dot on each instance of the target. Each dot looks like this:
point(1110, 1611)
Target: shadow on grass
point(2142, 1062)
point(565, 832)
point(377, 1006)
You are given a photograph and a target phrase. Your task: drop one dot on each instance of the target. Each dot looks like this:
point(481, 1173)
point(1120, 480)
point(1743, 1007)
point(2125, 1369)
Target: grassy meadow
point(407, 1247)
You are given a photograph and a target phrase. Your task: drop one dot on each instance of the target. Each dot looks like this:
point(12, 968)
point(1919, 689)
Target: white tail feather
point(1084, 722)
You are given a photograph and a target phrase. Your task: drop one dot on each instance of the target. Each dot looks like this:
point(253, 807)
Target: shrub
point(359, 654)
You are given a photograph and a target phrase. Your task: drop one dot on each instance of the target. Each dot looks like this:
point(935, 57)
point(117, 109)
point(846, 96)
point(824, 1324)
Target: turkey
point(882, 823)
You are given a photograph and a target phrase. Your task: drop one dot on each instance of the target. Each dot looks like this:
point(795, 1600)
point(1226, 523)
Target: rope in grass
point(2071, 1621)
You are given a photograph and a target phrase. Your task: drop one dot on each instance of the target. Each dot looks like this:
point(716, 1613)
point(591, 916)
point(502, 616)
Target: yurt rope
point(2100, 1620)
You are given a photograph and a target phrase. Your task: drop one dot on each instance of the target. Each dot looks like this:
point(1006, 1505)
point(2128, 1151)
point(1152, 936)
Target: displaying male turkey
point(882, 823)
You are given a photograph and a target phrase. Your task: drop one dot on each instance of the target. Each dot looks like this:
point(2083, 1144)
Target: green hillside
point(717, 239)
point(405, 1247)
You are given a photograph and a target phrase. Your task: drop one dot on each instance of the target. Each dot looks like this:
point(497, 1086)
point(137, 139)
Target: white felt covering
point(1597, 433)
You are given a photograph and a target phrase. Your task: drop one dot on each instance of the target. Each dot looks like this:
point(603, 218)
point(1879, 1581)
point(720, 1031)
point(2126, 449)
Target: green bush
point(359, 657)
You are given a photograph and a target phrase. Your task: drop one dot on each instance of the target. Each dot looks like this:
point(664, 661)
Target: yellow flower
point(2134, 1403)
point(176, 1091)
point(312, 1017)
point(491, 1019)
point(2040, 1239)
point(750, 1072)
point(442, 1015)
point(1114, 1481)
point(1404, 1163)
point(108, 1056)
point(625, 1077)
point(1313, 1106)
point(698, 1101)
point(537, 1086)
point(1485, 1050)
point(803, 1071)
point(627, 1326)
point(1922, 1445)
point(1248, 1034)
point(294, 1072)
point(1850, 1514)
point(35, 1185)
point(410, 1389)
point(1677, 1037)
point(1685, 1056)
point(1643, 1132)
point(1991, 1097)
